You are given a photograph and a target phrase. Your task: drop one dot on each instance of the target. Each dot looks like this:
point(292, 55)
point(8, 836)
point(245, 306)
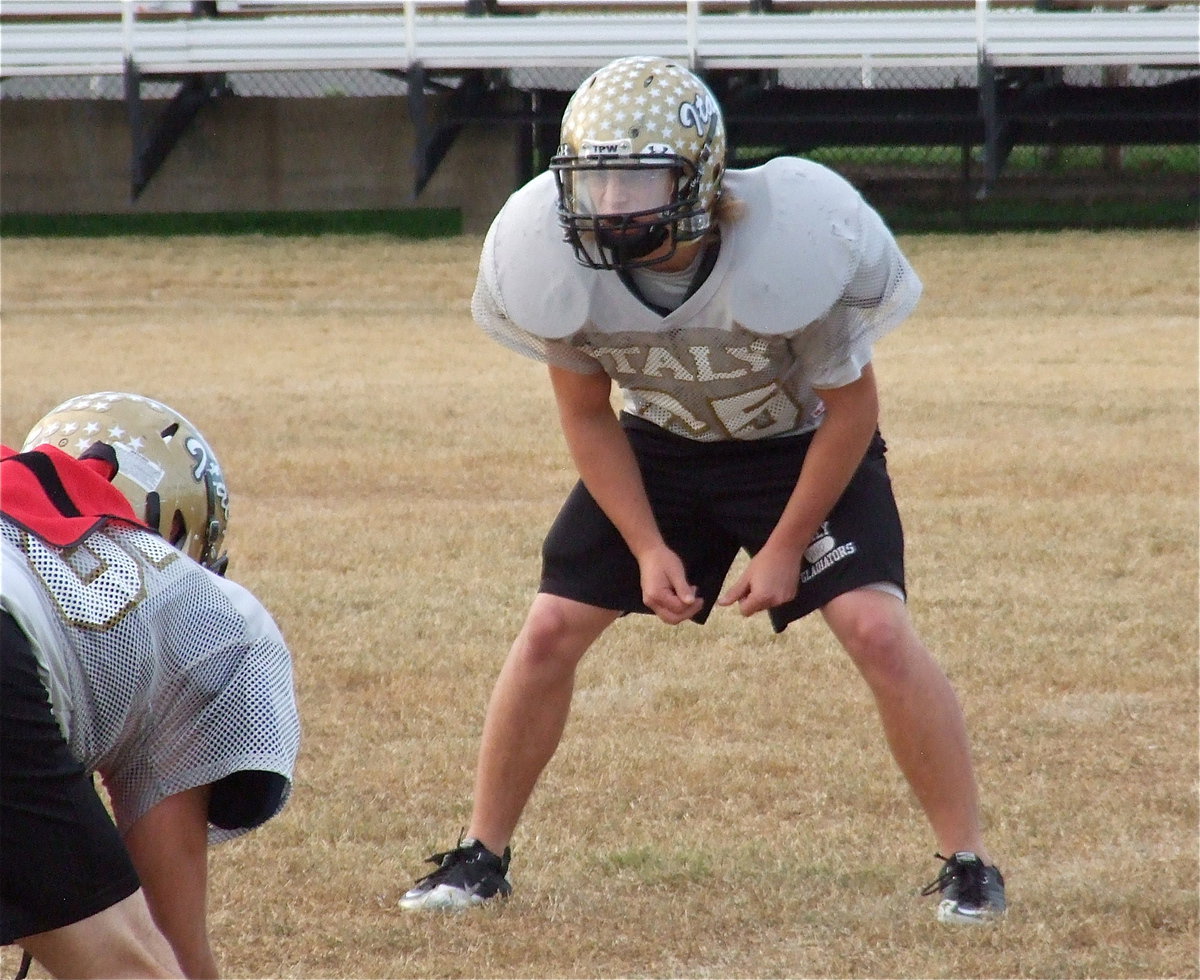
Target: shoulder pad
point(543, 289)
point(796, 243)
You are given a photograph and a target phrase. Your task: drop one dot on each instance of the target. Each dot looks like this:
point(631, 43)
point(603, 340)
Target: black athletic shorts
point(711, 499)
point(61, 858)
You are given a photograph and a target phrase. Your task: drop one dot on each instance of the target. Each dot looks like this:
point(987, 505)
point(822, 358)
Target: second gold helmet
point(166, 468)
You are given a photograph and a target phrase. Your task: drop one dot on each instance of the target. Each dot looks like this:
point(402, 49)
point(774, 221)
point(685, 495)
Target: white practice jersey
point(162, 675)
point(807, 280)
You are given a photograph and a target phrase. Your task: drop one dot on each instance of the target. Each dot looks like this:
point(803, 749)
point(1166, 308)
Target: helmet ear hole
point(178, 530)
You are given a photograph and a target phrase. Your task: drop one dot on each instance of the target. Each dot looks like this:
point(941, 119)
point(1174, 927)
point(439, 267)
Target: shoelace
point(945, 876)
point(443, 860)
point(458, 855)
point(970, 878)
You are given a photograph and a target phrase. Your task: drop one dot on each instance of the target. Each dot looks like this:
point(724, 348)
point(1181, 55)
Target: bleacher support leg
point(993, 127)
point(433, 142)
point(150, 149)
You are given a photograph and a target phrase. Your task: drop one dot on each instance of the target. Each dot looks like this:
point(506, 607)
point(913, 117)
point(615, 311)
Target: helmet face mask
point(639, 163)
point(166, 469)
point(619, 211)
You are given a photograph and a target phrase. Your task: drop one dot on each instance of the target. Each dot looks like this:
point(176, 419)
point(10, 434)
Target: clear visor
point(622, 190)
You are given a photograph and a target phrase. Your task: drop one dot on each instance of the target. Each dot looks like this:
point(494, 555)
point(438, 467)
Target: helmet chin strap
point(625, 248)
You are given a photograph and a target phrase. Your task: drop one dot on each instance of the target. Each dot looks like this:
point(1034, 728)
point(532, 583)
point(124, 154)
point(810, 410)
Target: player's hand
point(666, 589)
point(771, 579)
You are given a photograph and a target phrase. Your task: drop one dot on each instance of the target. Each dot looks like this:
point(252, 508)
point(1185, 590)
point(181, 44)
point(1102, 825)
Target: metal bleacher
point(717, 35)
point(1010, 56)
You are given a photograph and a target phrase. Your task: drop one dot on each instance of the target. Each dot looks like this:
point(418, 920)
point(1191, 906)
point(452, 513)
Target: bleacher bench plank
point(441, 38)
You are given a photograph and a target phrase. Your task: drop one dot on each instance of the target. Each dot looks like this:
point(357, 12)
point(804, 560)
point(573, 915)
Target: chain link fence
point(361, 83)
point(922, 178)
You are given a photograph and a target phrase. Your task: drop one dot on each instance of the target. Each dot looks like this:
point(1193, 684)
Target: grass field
point(723, 804)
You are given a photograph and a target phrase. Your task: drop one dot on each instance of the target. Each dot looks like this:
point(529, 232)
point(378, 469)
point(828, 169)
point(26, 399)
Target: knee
point(551, 638)
point(881, 645)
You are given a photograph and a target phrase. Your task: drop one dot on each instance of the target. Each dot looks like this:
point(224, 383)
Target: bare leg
point(921, 715)
point(121, 941)
point(528, 711)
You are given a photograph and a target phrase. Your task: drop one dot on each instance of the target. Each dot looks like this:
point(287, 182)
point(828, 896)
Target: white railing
point(715, 34)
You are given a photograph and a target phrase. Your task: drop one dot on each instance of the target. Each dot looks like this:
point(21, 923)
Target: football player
point(127, 654)
point(736, 312)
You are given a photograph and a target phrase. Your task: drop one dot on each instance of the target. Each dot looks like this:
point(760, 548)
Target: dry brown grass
point(722, 805)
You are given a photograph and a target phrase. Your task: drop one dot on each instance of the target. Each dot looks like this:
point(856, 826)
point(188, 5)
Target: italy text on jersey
point(709, 384)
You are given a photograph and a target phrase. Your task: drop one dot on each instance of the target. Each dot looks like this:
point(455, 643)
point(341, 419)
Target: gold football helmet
point(167, 470)
point(639, 162)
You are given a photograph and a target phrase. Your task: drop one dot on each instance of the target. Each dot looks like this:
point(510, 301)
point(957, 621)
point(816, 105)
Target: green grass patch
point(1040, 215)
point(406, 223)
point(1166, 159)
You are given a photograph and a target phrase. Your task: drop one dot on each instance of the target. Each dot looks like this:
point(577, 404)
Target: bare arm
point(838, 446)
point(607, 466)
point(169, 847)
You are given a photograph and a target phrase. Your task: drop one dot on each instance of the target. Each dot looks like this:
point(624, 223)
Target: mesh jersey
point(808, 278)
point(163, 676)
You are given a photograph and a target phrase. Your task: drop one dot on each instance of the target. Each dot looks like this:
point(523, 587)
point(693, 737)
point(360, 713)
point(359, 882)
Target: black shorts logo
point(824, 551)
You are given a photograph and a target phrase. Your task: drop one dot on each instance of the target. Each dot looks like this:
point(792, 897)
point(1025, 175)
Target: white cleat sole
point(950, 914)
point(441, 898)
